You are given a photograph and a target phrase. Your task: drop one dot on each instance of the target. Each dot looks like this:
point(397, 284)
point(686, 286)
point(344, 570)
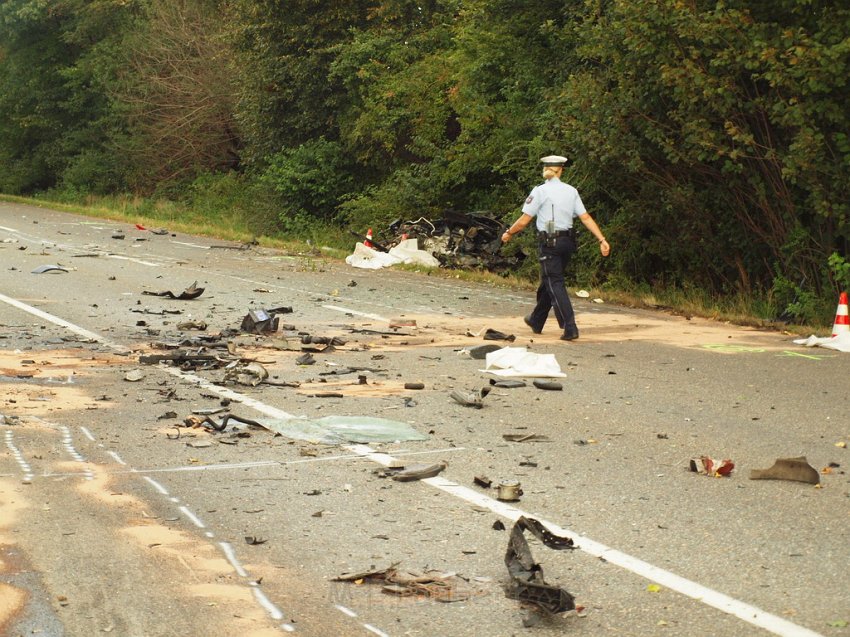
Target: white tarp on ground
point(841, 342)
point(517, 361)
point(405, 252)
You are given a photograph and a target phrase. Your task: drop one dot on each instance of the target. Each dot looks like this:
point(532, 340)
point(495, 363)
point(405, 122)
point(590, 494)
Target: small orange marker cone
point(842, 321)
point(368, 241)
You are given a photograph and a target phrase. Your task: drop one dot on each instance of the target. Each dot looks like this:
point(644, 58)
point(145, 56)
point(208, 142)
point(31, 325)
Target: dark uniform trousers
point(554, 256)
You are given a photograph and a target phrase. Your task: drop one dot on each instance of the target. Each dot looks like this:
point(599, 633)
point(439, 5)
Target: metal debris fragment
point(49, 268)
point(527, 584)
point(419, 472)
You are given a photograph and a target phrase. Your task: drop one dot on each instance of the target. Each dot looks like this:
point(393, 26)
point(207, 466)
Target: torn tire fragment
point(192, 292)
point(527, 584)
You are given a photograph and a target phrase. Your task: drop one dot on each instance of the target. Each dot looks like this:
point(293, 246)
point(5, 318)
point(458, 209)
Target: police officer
point(554, 205)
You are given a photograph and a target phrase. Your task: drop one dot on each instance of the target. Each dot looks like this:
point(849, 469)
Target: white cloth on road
point(517, 361)
point(405, 252)
point(840, 342)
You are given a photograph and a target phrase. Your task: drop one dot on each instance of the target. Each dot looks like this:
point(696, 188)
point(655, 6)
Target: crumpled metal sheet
point(527, 583)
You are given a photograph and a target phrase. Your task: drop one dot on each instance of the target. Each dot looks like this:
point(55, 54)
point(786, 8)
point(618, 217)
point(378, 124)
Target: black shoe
point(570, 334)
point(528, 322)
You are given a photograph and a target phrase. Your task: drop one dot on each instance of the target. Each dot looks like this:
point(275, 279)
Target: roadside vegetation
point(710, 140)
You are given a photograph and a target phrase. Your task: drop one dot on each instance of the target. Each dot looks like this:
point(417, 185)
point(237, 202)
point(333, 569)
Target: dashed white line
point(156, 485)
point(194, 518)
point(116, 457)
point(87, 433)
point(346, 310)
point(231, 557)
point(273, 611)
point(345, 610)
point(377, 631)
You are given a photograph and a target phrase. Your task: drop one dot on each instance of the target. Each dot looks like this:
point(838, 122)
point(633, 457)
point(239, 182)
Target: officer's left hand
point(604, 248)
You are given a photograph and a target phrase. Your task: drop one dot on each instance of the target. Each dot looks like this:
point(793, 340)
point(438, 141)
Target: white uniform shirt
point(554, 200)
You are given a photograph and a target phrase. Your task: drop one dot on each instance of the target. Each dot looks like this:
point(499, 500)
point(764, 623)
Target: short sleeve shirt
point(554, 200)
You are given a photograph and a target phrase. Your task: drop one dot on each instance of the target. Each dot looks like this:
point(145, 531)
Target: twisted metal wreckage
point(458, 240)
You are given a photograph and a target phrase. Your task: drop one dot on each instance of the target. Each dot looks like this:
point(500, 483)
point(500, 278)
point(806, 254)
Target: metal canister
point(508, 490)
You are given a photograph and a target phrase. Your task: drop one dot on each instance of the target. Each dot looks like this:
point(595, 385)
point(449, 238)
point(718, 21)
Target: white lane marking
point(346, 310)
point(19, 457)
point(231, 557)
point(273, 611)
point(377, 631)
point(195, 519)
point(345, 610)
point(68, 444)
point(79, 331)
point(134, 260)
point(746, 612)
point(87, 433)
point(156, 485)
point(116, 457)
point(191, 245)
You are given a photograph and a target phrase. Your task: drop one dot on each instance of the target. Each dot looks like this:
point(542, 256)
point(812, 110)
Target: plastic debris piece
point(711, 467)
point(519, 362)
point(49, 268)
point(414, 385)
point(582, 294)
point(134, 376)
point(795, 469)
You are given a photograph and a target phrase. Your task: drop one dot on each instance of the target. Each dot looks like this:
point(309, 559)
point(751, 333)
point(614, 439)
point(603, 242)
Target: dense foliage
point(710, 139)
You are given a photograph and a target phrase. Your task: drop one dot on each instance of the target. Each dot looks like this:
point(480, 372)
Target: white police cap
point(553, 160)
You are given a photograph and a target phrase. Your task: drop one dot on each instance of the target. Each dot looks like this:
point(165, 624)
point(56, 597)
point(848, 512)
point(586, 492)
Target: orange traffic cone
point(842, 321)
point(368, 241)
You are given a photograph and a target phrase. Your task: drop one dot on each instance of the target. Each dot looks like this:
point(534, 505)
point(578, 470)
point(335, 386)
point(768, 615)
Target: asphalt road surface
point(119, 517)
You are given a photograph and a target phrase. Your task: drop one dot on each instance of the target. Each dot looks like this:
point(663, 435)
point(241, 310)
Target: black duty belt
point(559, 233)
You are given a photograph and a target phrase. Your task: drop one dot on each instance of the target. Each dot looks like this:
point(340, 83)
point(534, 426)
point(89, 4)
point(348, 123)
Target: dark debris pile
point(459, 240)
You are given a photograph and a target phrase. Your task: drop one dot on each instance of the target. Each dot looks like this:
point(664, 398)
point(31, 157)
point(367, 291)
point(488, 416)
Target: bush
point(309, 181)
